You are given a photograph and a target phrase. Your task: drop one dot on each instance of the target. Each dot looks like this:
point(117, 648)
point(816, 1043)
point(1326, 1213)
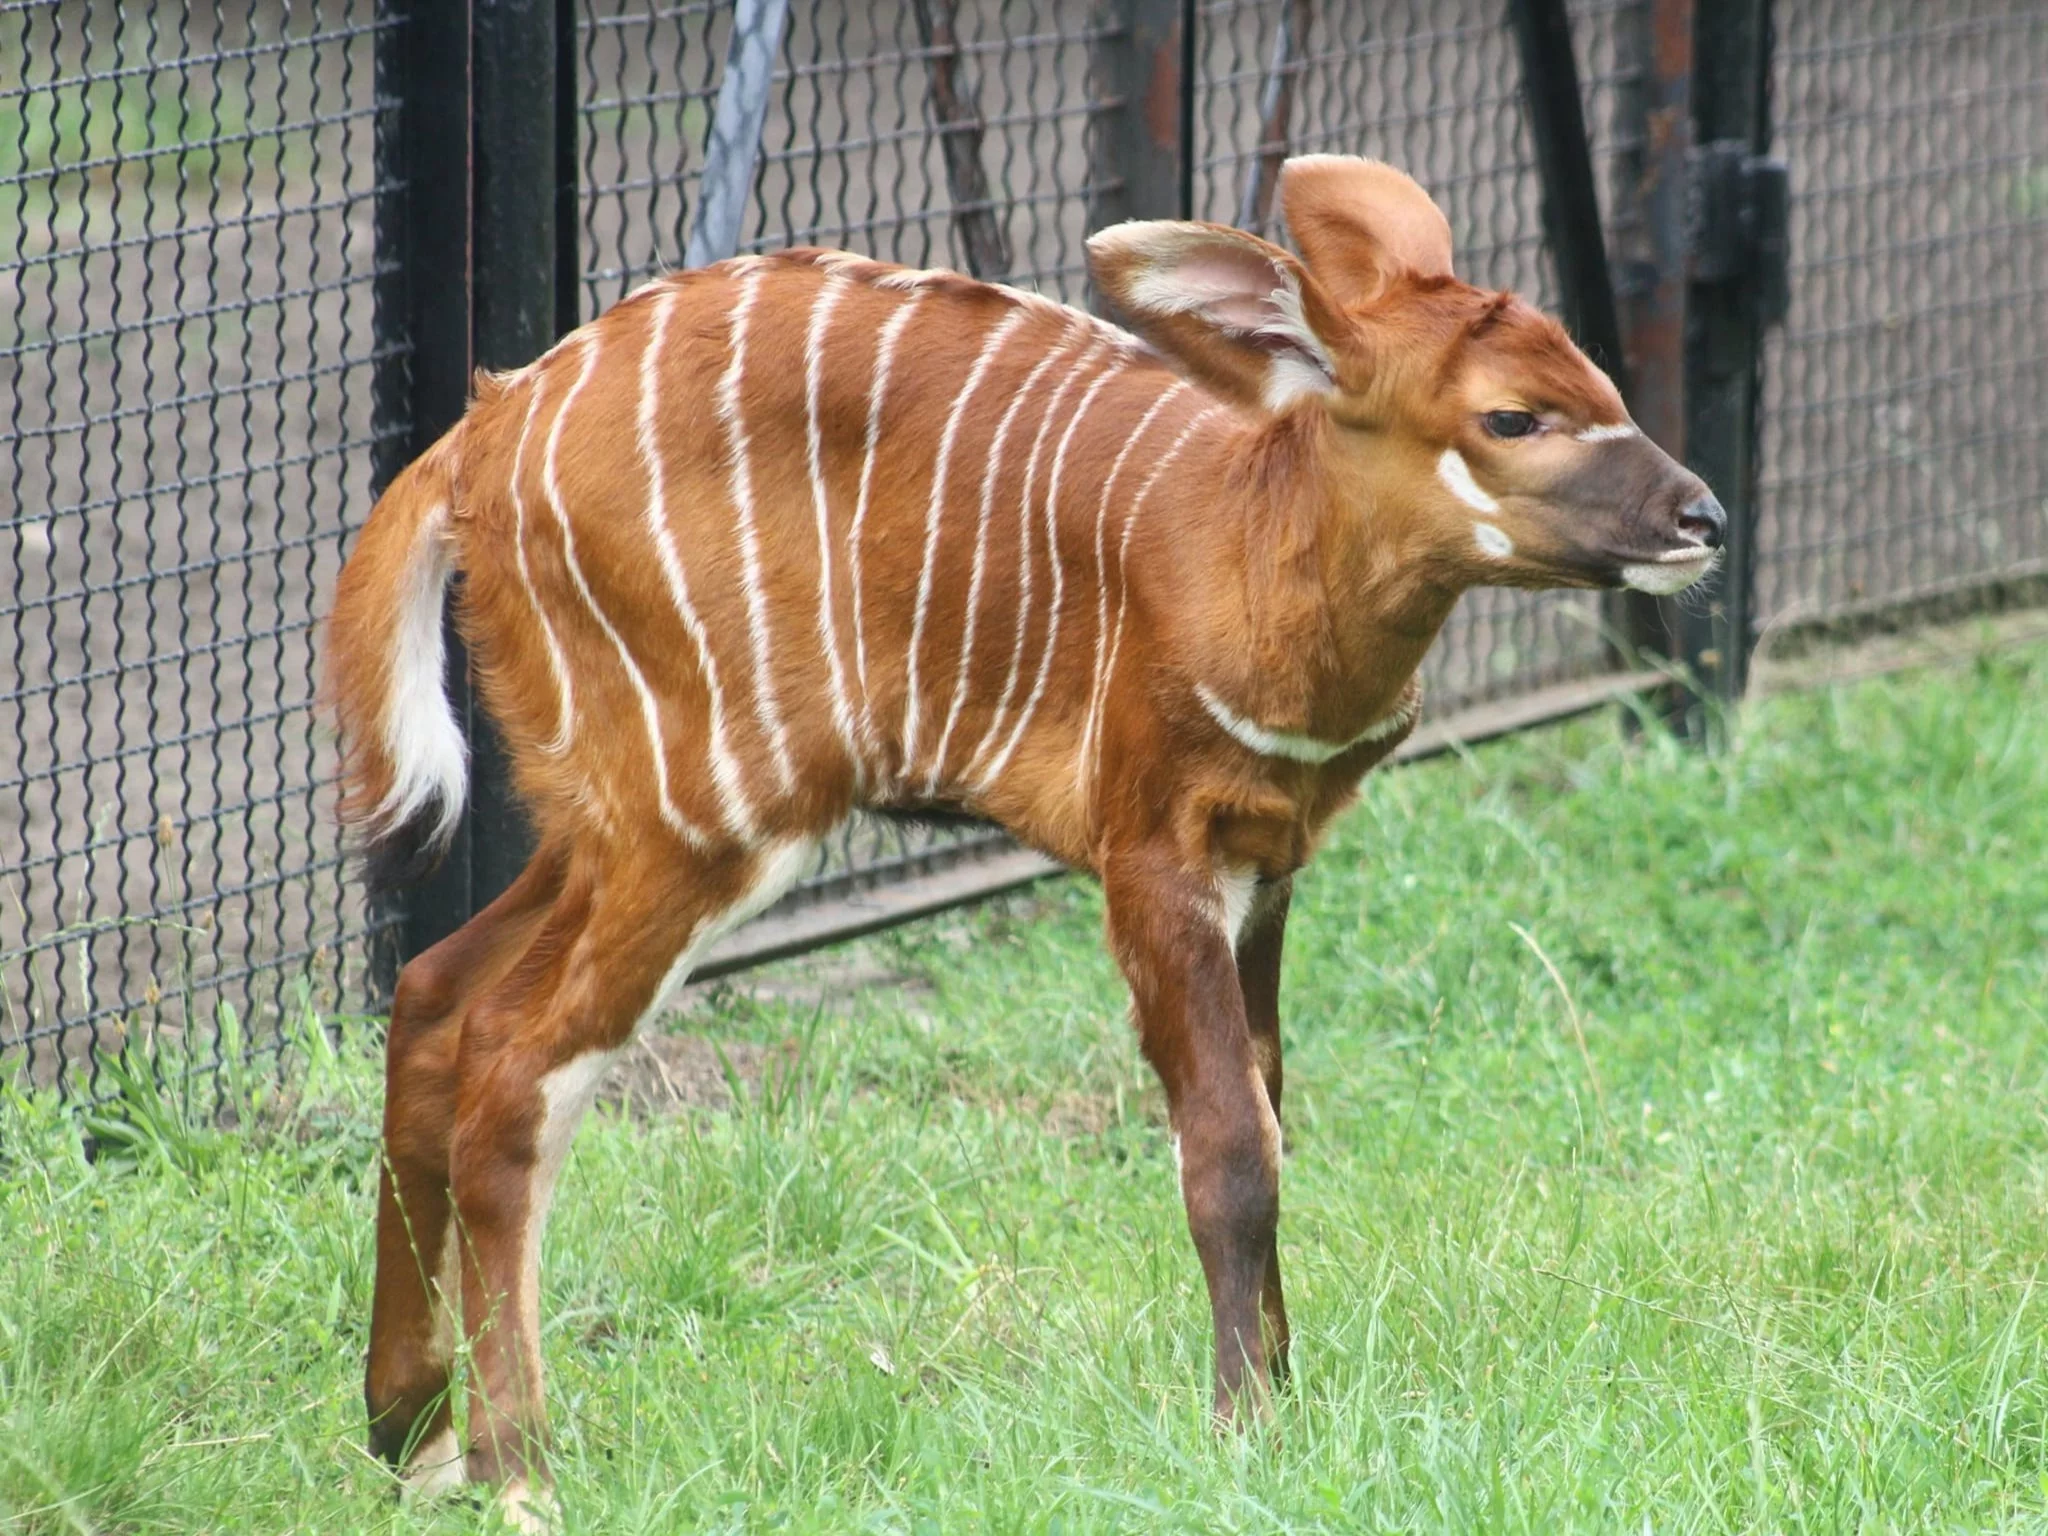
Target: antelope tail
point(404, 764)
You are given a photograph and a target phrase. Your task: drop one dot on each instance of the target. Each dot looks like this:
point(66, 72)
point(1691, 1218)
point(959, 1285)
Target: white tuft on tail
point(423, 744)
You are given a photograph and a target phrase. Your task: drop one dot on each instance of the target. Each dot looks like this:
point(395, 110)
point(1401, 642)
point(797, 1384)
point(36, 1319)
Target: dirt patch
point(668, 1074)
point(685, 1065)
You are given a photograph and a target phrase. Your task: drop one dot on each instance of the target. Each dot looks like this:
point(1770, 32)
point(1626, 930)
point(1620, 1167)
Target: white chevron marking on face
point(1612, 433)
point(1456, 475)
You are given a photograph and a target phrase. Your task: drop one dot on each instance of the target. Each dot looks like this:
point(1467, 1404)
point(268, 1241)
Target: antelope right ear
point(1362, 224)
point(1240, 315)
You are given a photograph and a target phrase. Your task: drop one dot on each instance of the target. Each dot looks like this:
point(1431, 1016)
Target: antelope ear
point(1362, 224)
point(1242, 316)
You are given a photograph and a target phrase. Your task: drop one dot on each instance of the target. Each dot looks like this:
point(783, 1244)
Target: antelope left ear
point(1362, 224)
point(1241, 315)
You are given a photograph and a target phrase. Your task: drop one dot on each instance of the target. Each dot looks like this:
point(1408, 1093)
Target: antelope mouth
point(1672, 571)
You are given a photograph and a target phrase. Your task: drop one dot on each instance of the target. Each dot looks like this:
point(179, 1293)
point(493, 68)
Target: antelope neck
point(1342, 623)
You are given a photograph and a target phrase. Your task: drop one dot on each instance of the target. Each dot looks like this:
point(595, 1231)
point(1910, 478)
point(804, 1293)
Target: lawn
point(1666, 1153)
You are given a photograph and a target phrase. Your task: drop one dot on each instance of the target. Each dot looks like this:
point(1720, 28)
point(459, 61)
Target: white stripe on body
point(1123, 597)
point(650, 712)
point(829, 293)
point(558, 665)
point(1059, 579)
point(878, 386)
point(735, 808)
point(1081, 757)
point(1052, 406)
point(741, 485)
point(933, 510)
point(988, 497)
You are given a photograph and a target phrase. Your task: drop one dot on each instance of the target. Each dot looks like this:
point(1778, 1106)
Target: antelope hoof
point(529, 1509)
point(436, 1468)
point(1248, 1413)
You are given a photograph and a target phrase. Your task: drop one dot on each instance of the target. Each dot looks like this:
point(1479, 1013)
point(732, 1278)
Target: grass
point(1666, 1153)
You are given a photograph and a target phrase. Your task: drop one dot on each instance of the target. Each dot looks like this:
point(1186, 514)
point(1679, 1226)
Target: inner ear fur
point(1241, 316)
point(1362, 225)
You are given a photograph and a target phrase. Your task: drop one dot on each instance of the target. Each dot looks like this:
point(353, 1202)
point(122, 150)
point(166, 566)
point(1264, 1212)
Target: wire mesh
point(1901, 454)
point(186, 194)
point(187, 260)
point(853, 149)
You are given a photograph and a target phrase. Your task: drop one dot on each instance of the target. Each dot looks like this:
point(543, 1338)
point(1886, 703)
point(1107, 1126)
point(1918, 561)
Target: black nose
point(1704, 522)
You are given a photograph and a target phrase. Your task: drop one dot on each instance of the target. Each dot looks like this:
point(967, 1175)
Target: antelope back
point(794, 533)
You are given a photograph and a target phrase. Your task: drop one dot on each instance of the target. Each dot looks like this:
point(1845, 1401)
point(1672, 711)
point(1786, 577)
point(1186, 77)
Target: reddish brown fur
point(1294, 563)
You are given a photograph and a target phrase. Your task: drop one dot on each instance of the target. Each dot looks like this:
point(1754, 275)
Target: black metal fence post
point(517, 302)
point(422, 300)
point(1564, 159)
point(1736, 277)
point(476, 270)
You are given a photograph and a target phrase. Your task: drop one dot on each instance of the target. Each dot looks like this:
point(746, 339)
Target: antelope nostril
point(1704, 522)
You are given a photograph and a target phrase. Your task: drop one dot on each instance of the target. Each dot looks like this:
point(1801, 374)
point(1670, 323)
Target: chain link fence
point(186, 346)
point(188, 200)
point(1902, 456)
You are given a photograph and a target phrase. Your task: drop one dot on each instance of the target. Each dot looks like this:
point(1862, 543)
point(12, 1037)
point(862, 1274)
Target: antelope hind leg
point(619, 940)
point(412, 1318)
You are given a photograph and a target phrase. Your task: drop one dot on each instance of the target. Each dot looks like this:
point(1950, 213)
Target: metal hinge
point(1738, 224)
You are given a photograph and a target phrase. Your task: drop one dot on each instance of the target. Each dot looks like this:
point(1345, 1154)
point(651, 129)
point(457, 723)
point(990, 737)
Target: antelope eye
point(1509, 423)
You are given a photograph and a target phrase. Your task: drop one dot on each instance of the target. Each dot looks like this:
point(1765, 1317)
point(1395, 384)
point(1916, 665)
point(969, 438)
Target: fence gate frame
point(478, 267)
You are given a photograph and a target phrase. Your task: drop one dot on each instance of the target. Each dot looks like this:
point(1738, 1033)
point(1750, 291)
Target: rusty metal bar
point(1654, 129)
point(1571, 201)
point(1140, 73)
point(960, 127)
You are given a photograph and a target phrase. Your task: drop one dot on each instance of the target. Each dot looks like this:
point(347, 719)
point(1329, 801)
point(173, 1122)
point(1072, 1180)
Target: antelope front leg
point(1258, 976)
point(1168, 928)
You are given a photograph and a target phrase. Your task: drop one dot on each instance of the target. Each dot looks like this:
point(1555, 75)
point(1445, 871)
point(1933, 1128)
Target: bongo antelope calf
point(798, 535)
